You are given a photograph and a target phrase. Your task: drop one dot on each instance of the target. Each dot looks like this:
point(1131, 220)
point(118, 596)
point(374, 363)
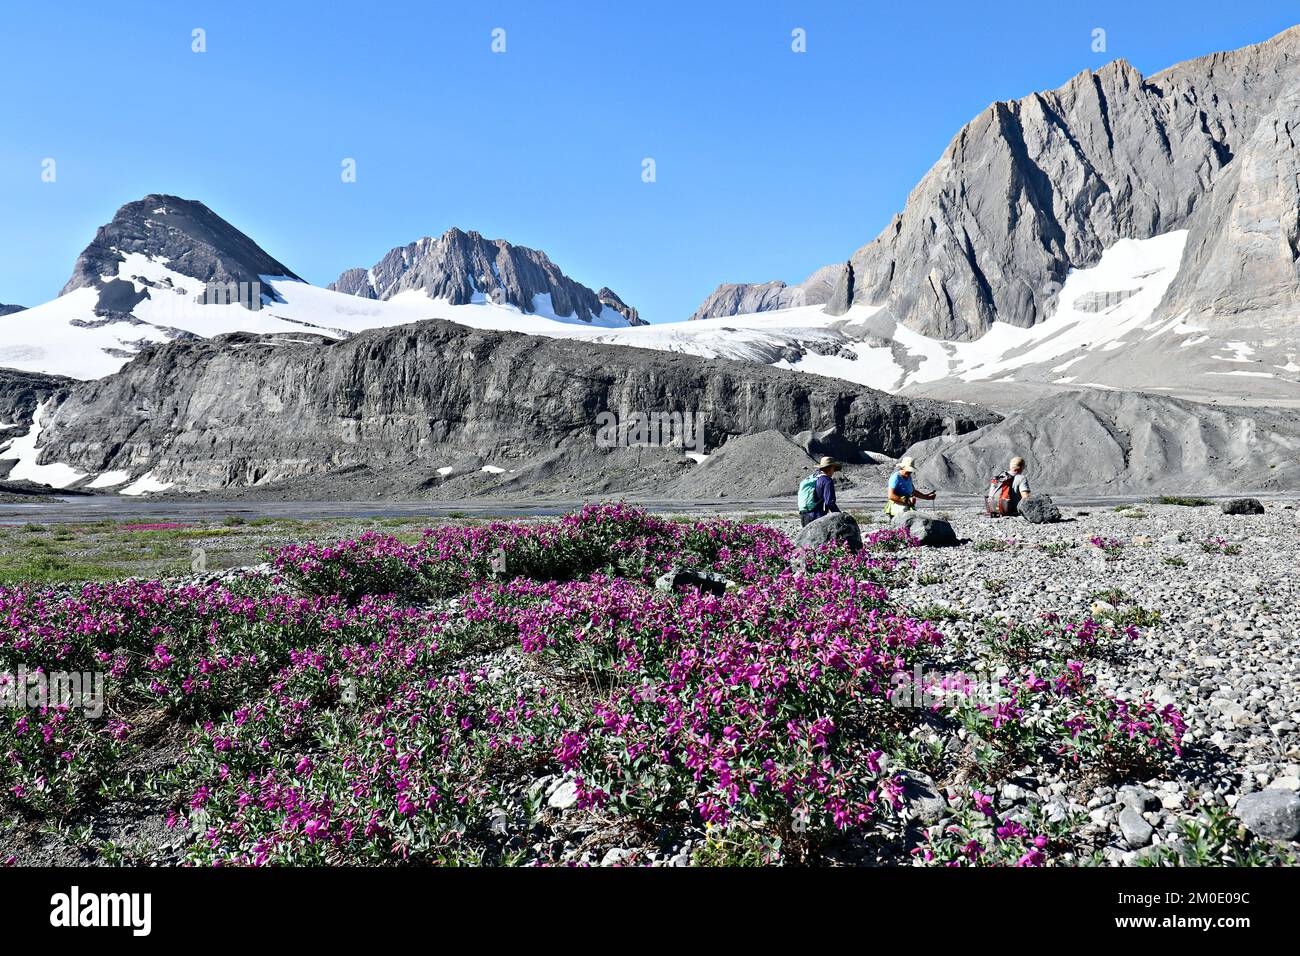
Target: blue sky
point(768, 163)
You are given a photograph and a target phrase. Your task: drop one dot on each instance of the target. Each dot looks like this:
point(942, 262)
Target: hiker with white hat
point(902, 490)
point(817, 491)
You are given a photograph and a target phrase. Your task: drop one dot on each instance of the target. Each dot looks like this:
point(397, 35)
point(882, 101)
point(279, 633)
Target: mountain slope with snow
point(1039, 188)
point(1105, 332)
point(167, 269)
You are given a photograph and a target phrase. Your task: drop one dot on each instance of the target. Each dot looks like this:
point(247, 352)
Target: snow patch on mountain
point(23, 448)
point(72, 336)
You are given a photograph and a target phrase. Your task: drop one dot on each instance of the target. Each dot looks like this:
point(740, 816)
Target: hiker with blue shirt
point(817, 492)
point(902, 489)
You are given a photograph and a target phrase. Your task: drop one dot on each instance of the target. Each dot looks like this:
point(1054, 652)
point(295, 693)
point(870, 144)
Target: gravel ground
point(1224, 650)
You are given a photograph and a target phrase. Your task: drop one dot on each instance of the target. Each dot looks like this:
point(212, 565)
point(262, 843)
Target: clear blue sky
point(769, 163)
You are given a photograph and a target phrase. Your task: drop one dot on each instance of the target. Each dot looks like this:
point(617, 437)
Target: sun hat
point(907, 465)
point(827, 462)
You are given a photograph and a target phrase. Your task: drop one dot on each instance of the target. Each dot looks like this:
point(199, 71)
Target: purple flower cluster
point(353, 721)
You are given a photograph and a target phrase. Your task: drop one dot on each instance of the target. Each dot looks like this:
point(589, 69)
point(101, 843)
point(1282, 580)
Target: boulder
point(1038, 509)
point(834, 528)
point(678, 579)
point(1139, 798)
point(921, 798)
point(931, 532)
point(1137, 832)
point(1242, 506)
point(1272, 814)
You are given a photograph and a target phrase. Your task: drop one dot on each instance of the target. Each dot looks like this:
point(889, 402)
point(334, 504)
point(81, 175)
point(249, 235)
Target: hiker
point(1007, 489)
point(817, 491)
point(902, 489)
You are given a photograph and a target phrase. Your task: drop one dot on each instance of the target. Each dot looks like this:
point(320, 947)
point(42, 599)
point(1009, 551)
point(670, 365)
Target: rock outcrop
point(22, 392)
point(1034, 187)
point(241, 409)
point(1241, 262)
point(10, 309)
point(458, 266)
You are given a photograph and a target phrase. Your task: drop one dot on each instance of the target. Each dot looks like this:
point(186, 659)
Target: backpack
point(997, 502)
point(808, 493)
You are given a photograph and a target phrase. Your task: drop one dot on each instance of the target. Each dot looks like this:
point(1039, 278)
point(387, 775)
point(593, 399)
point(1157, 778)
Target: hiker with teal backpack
point(817, 492)
point(902, 490)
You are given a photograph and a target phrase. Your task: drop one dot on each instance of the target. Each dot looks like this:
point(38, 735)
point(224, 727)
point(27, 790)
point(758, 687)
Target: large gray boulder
point(930, 532)
point(834, 528)
point(1242, 506)
point(1038, 509)
point(1272, 814)
point(680, 579)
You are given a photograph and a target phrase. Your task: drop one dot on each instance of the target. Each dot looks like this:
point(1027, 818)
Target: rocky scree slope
point(1121, 442)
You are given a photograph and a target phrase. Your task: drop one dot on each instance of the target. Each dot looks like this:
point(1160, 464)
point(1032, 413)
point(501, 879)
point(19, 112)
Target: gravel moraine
point(1223, 651)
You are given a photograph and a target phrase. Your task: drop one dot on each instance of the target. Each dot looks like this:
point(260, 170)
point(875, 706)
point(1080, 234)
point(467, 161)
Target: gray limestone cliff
point(242, 409)
point(1035, 187)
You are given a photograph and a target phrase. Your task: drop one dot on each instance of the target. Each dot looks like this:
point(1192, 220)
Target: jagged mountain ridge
point(463, 267)
point(10, 309)
point(166, 268)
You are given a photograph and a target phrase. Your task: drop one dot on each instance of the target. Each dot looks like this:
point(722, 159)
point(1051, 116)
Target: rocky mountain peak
point(182, 233)
point(1033, 188)
point(461, 267)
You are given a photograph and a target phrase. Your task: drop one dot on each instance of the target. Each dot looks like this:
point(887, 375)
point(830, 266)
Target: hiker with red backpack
point(1006, 490)
point(817, 492)
point(902, 490)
